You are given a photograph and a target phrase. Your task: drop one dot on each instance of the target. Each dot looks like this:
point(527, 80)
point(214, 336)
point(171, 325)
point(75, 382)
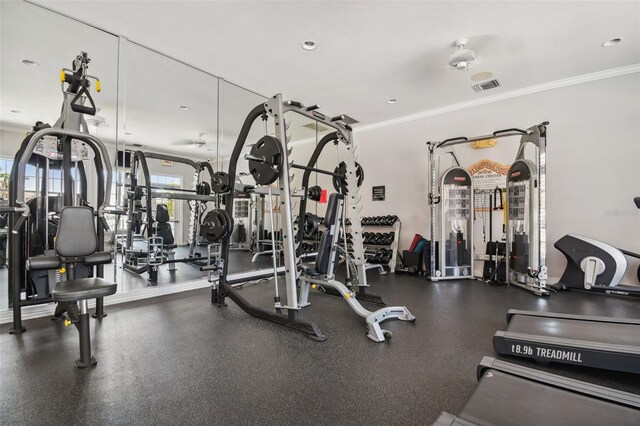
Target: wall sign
point(487, 175)
point(377, 193)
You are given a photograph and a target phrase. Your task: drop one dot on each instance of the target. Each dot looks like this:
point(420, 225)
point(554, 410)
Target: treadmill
point(591, 341)
point(511, 394)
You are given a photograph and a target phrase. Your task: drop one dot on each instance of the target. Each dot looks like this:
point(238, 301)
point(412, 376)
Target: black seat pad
point(310, 269)
point(83, 288)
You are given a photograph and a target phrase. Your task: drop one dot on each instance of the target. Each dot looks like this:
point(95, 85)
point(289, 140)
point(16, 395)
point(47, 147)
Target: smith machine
point(268, 163)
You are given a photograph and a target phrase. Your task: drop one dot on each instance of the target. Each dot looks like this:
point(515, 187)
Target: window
point(5, 171)
point(31, 180)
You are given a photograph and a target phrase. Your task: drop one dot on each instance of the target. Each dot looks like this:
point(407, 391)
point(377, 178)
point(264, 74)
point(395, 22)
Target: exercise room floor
point(177, 359)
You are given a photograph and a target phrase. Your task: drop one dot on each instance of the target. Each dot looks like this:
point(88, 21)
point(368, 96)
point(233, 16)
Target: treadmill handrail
point(601, 392)
point(512, 312)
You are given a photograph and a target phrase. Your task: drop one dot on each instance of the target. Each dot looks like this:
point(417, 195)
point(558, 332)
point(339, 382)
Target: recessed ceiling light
point(16, 111)
point(392, 101)
point(128, 133)
point(184, 107)
point(485, 75)
point(30, 62)
point(309, 45)
point(612, 42)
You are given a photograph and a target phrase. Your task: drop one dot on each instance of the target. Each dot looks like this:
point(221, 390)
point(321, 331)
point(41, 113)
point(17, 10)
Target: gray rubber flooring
point(179, 360)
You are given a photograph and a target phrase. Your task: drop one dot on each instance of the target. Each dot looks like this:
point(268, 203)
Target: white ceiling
point(367, 53)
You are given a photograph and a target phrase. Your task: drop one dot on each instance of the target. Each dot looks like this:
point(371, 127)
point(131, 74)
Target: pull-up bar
point(497, 134)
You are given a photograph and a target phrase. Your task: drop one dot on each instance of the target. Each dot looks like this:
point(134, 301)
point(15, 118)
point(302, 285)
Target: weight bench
point(321, 273)
point(76, 242)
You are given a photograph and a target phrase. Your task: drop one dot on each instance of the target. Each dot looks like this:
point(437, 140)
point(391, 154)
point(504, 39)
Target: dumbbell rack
point(394, 244)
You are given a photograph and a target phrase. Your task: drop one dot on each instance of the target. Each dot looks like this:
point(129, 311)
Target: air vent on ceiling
point(491, 84)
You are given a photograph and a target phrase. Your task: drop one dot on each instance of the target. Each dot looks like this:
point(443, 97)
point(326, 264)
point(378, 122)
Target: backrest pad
point(324, 248)
point(76, 235)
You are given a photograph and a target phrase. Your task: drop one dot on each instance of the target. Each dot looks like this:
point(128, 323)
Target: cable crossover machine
point(451, 206)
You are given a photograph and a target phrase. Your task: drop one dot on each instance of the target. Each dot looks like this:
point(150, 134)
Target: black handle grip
point(209, 268)
point(513, 129)
point(105, 225)
point(313, 107)
point(83, 109)
point(295, 104)
point(499, 195)
point(19, 224)
point(337, 118)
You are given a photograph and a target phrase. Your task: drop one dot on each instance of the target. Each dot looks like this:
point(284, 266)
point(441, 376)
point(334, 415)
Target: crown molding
point(571, 81)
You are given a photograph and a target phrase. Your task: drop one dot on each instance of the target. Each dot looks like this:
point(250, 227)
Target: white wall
point(593, 160)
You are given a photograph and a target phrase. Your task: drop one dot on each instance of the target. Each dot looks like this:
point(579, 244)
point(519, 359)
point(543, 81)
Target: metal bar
point(167, 157)
point(462, 139)
point(276, 108)
point(302, 210)
point(313, 169)
point(182, 196)
point(316, 116)
point(94, 142)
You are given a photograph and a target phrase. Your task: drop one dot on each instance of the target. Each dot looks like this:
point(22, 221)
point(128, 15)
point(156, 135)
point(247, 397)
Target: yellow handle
point(347, 296)
point(504, 210)
point(97, 85)
point(313, 286)
point(62, 270)
point(67, 323)
point(62, 76)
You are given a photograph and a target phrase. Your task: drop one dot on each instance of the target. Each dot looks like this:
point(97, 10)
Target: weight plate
point(314, 193)
point(311, 223)
point(221, 183)
point(340, 184)
point(216, 226)
point(266, 171)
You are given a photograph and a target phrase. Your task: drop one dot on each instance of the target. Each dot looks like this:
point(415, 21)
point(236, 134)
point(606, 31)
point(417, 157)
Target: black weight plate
point(314, 193)
point(340, 184)
point(221, 182)
point(216, 226)
point(311, 223)
point(267, 172)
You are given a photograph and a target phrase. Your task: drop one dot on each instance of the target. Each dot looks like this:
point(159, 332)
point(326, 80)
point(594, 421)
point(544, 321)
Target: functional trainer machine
point(66, 145)
point(526, 227)
point(546, 399)
point(78, 254)
point(268, 163)
point(592, 341)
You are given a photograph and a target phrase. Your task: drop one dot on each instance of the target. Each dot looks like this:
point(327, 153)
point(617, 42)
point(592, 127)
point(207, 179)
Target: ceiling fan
point(192, 143)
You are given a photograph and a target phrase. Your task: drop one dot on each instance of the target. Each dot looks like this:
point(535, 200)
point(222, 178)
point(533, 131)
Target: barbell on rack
point(265, 163)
